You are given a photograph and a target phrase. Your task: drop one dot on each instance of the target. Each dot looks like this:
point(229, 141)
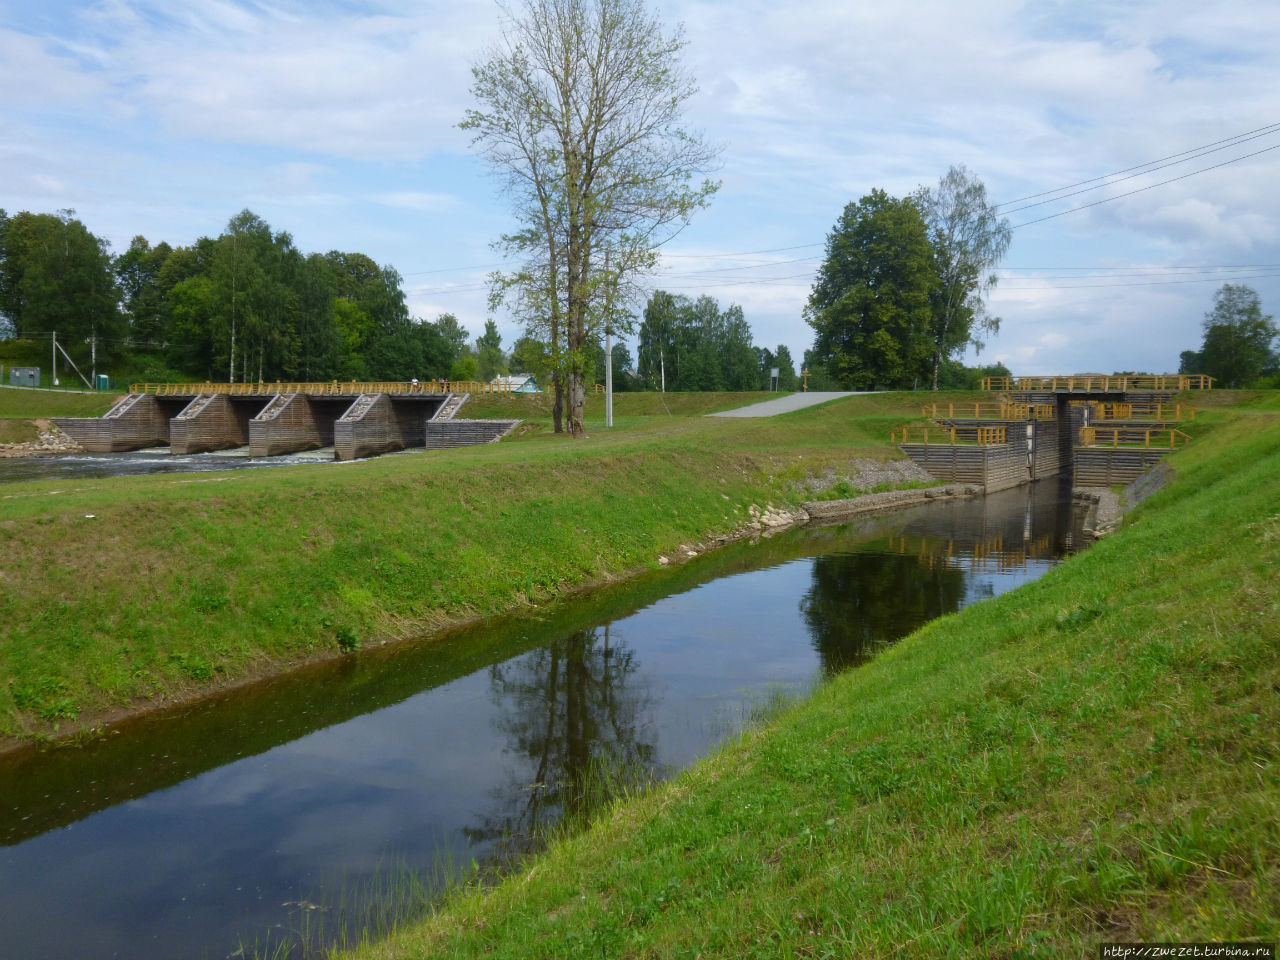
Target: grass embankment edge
point(1089, 758)
point(130, 593)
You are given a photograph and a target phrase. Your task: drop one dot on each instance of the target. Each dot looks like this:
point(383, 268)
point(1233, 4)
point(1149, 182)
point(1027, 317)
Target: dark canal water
point(247, 818)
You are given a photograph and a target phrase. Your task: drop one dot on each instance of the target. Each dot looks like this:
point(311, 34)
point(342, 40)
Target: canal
point(276, 812)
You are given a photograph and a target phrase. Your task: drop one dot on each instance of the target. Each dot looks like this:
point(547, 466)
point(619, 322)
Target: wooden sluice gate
point(358, 419)
point(1101, 429)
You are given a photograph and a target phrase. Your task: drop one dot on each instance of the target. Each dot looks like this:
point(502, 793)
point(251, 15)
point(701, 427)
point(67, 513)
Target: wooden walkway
point(333, 388)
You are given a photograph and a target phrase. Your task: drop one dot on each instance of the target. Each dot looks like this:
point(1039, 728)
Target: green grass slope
point(119, 592)
point(18, 404)
point(1092, 757)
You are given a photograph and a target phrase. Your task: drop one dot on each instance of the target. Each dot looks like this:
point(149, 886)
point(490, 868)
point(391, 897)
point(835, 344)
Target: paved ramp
point(771, 408)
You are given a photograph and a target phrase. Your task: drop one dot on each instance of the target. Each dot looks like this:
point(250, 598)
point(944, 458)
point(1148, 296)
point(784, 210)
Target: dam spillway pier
point(358, 419)
point(1101, 430)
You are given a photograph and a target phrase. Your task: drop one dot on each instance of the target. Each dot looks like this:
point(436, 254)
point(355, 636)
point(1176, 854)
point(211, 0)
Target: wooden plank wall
point(1006, 464)
point(381, 424)
point(209, 423)
point(289, 423)
point(444, 434)
point(136, 422)
point(1105, 466)
point(1047, 461)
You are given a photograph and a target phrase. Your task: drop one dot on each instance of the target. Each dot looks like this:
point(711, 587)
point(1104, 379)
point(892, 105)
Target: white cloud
point(165, 120)
point(32, 75)
point(417, 200)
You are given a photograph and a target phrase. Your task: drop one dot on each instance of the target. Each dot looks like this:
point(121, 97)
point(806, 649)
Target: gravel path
point(771, 408)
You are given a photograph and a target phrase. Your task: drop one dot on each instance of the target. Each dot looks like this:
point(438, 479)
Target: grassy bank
point(17, 404)
point(1089, 758)
point(121, 592)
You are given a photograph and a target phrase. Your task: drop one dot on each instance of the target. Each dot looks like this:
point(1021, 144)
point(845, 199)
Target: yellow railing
point(988, 410)
point(1166, 412)
point(1133, 437)
point(930, 433)
point(330, 388)
point(989, 552)
point(1145, 381)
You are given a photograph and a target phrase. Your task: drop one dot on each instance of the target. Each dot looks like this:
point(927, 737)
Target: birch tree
point(969, 239)
point(579, 112)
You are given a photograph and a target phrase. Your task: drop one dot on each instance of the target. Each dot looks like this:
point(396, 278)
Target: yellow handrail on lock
point(331, 388)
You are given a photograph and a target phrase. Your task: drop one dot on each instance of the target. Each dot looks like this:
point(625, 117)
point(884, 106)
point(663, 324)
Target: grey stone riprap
point(824, 511)
point(1106, 506)
point(864, 475)
point(49, 440)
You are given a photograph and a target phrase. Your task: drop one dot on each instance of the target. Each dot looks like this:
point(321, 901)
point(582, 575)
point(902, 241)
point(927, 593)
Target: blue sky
point(338, 123)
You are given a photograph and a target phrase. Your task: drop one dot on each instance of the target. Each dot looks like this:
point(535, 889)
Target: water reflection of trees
point(860, 601)
point(573, 713)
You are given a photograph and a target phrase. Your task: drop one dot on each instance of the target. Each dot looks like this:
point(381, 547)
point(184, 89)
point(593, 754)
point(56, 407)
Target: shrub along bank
point(129, 591)
point(1090, 758)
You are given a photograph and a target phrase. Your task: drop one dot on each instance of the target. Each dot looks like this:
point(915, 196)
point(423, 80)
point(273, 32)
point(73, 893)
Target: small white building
point(518, 383)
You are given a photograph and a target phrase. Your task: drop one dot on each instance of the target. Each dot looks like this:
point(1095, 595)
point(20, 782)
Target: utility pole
point(608, 375)
point(93, 359)
point(608, 345)
point(231, 364)
point(55, 357)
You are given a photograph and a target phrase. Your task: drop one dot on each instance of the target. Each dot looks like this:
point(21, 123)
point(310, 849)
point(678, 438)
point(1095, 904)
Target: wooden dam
point(358, 419)
point(1101, 430)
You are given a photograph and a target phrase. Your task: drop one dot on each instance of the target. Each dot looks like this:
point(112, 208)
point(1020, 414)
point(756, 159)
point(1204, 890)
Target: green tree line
point(694, 345)
point(246, 305)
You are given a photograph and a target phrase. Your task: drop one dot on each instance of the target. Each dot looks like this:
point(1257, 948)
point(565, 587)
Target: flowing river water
point(73, 466)
point(261, 815)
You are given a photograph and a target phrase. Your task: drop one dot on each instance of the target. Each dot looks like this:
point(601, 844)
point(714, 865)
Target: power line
point(1153, 165)
point(1143, 173)
point(1130, 193)
point(1203, 266)
point(1153, 272)
point(1008, 283)
point(674, 256)
point(1120, 271)
point(1229, 141)
point(674, 278)
point(477, 266)
point(1139, 283)
point(744, 253)
point(1157, 164)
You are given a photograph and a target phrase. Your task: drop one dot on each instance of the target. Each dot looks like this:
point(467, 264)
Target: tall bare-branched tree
point(579, 111)
point(969, 240)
